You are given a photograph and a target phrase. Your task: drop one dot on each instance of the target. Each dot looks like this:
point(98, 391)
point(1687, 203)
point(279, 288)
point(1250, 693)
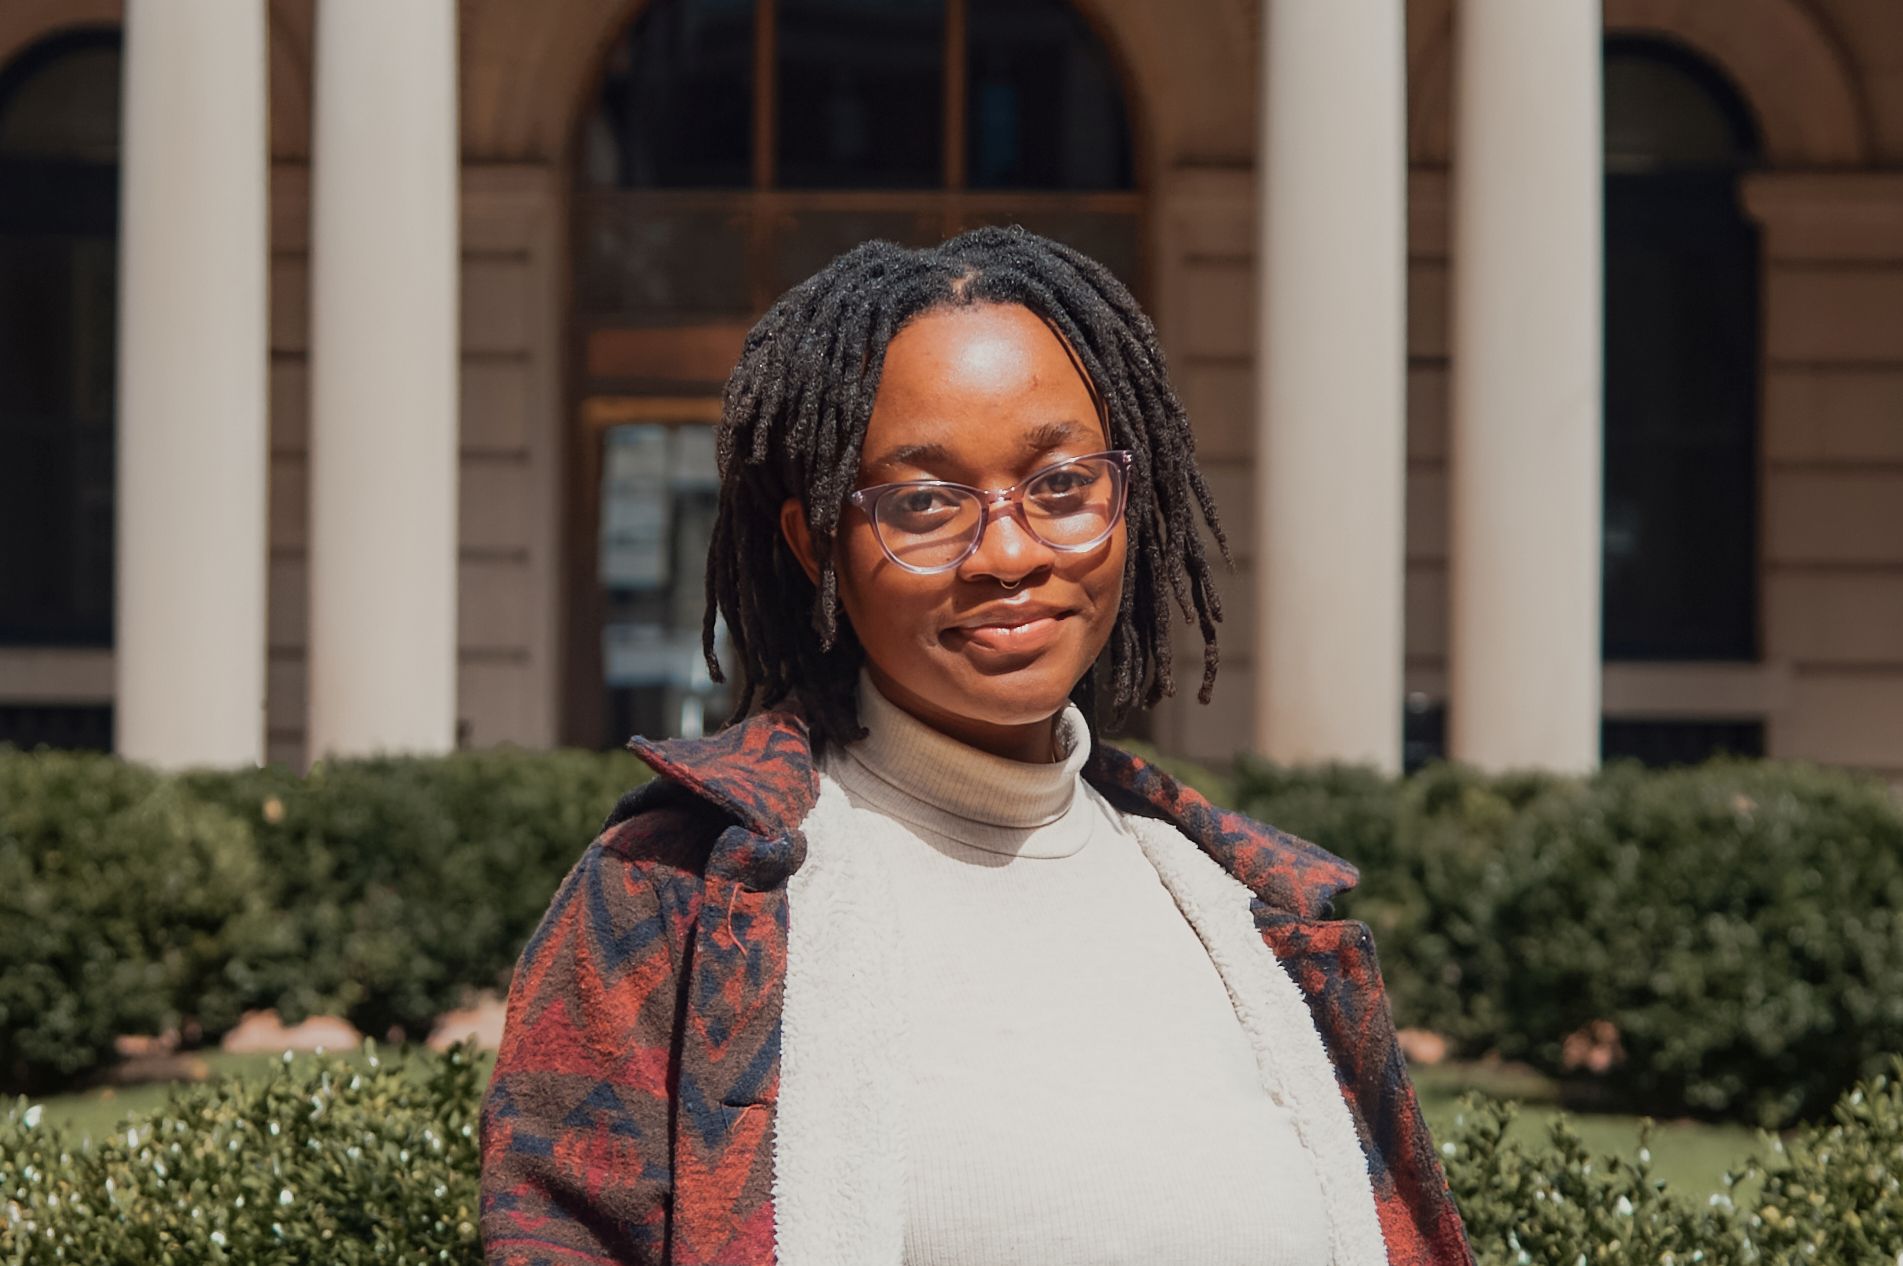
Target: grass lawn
point(95, 1112)
point(1690, 1156)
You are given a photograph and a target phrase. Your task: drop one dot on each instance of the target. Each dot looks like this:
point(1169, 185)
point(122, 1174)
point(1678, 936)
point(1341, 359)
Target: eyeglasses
point(930, 525)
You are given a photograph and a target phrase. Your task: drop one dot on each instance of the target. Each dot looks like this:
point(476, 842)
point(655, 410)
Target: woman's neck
point(1034, 742)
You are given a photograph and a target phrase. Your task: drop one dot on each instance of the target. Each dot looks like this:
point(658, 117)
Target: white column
point(384, 337)
point(1525, 498)
point(192, 432)
point(1330, 473)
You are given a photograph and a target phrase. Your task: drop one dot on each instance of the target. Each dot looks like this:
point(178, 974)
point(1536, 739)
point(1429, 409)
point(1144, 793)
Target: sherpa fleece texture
point(632, 1112)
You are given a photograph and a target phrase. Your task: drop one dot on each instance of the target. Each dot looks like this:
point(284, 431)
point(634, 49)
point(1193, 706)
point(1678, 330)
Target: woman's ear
point(798, 539)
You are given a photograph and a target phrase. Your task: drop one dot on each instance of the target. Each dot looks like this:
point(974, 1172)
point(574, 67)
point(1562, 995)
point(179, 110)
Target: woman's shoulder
point(727, 804)
point(663, 826)
point(1283, 870)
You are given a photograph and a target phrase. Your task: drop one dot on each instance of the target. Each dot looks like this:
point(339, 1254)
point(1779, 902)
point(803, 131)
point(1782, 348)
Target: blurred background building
point(358, 360)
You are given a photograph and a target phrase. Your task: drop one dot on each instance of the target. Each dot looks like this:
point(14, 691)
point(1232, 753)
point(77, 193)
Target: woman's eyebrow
point(1049, 435)
point(1038, 440)
point(911, 455)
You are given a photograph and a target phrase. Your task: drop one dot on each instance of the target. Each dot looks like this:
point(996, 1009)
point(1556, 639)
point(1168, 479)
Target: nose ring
point(1014, 584)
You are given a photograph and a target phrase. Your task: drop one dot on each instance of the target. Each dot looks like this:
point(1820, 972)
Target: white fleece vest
point(1020, 1027)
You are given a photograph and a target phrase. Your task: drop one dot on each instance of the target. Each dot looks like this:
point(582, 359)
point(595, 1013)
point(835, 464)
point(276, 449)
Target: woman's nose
point(1006, 548)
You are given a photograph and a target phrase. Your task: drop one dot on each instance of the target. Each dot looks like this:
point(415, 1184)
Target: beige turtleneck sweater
point(1079, 1087)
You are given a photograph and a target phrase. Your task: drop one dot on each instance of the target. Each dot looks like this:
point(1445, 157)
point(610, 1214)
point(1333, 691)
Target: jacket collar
point(761, 771)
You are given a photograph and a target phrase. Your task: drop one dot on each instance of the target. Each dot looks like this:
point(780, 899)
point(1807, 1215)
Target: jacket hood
point(761, 772)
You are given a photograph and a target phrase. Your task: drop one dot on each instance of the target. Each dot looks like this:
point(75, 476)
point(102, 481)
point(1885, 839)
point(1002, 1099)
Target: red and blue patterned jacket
point(630, 1115)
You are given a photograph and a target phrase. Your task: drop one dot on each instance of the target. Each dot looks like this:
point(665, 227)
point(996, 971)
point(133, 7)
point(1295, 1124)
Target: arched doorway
point(734, 147)
point(59, 205)
point(1682, 373)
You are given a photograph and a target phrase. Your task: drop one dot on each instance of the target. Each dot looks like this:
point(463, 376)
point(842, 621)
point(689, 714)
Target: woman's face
point(981, 395)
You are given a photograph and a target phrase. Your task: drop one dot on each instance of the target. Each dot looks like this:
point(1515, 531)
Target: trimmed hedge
point(318, 1162)
point(1741, 925)
point(126, 906)
point(322, 1161)
point(1732, 934)
point(1730, 937)
point(1830, 1195)
point(406, 882)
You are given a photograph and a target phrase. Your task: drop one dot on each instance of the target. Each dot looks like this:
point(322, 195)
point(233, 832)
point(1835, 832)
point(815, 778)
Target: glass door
point(659, 491)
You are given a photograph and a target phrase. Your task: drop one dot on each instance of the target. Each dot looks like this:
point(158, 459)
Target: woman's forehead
point(987, 382)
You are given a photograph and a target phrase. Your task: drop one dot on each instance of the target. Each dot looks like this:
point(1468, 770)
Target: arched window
point(734, 148)
point(1681, 481)
point(59, 193)
point(840, 120)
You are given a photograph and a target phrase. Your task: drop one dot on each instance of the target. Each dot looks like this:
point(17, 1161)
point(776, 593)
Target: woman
point(903, 965)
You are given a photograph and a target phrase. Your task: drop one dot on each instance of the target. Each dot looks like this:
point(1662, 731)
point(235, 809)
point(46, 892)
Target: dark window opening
point(1044, 110)
point(676, 101)
point(59, 196)
point(1666, 743)
point(862, 87)
point(1681, 429)
point(1656, 742)
point(69, 727)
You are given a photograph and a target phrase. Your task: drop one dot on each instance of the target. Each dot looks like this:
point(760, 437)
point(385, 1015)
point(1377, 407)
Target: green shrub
point(1831, 1195)
point(318, 1162)
point(1730, 936)
point(406, 881)
point(1427, 847)
point(323, 1161)
point(1837, 1193)
point(1740, 927)
point(125, 907)
point(1558, 1204)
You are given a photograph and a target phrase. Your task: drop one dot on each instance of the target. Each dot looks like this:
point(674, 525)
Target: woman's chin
point(1019, 694)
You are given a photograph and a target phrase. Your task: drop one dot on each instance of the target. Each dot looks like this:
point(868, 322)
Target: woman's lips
point(1029, 635)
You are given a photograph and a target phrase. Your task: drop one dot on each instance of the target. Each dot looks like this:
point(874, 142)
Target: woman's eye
point(922, 500)
point(1063, 484)
point(914, 508)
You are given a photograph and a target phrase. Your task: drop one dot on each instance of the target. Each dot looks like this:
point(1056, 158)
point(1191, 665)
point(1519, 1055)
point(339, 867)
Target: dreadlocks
point(794, 416)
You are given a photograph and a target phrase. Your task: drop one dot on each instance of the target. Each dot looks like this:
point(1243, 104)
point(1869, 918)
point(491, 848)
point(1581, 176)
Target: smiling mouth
point(1019, 635)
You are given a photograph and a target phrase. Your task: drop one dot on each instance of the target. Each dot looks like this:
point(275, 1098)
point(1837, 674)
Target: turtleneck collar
point(997, 804)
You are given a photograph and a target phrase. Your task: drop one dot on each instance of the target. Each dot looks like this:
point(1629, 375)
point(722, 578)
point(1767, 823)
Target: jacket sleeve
point(576, 1154)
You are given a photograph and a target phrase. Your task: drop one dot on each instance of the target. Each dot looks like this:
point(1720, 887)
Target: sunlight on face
point(984, 396)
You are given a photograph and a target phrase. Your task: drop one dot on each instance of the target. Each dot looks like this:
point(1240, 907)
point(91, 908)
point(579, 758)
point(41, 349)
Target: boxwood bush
point(126, 906)
point(1731, 934)
point(318, 1162)
point(326, 1161)
point(1740, 926)
point(405, 882)
point(1430, 849)
point(1830, 1194)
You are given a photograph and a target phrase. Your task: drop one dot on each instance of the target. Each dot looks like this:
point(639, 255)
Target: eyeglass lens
point(1066, 507)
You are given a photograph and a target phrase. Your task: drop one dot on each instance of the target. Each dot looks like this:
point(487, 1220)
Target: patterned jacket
point(631, 1114)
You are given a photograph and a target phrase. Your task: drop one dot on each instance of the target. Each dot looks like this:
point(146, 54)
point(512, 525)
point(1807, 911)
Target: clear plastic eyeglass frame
point(1117, 461)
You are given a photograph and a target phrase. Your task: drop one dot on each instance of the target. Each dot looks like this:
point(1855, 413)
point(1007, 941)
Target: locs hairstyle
point(795, 415)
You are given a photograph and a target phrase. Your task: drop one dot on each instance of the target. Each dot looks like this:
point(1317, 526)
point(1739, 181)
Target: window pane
point(648, 259)
point(805, 241)
point(861, 93)
point(59, 195)
point(1692, 741)
point(1111, 237)
point(1666, 108)
point(1682, 333)
point(1044, 107)
point(660, 491)
point(61, 100)
point(676, 104)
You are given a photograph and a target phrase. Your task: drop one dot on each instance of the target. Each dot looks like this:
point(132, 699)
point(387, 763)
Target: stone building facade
point(1427, 563)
